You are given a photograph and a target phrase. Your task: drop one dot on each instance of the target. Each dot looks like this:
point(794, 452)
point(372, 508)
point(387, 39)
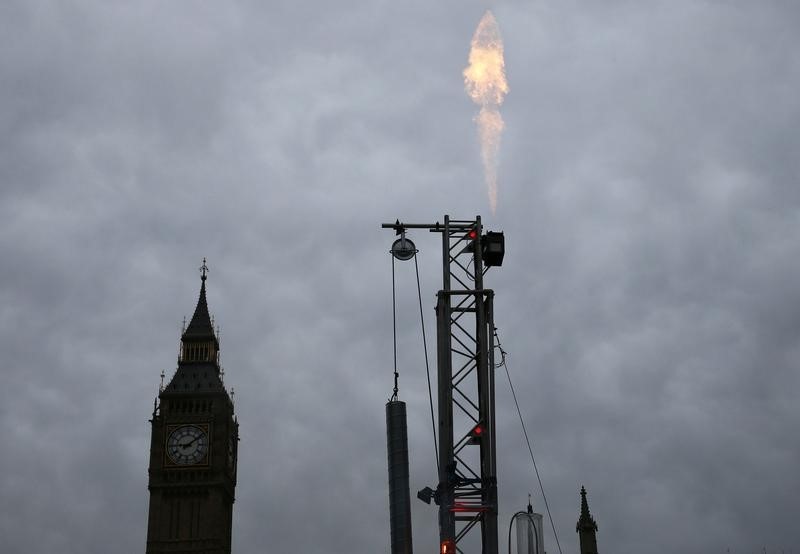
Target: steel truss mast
point(467, 488)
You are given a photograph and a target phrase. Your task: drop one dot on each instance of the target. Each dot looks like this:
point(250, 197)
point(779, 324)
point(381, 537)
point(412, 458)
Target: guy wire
point(504, 363)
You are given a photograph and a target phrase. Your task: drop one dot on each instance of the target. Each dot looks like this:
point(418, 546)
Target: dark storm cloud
point(648, 301)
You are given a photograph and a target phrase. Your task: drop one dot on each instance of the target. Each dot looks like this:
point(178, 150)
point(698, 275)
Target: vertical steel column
point(483, 333)
point(481, 368)
point(489, 454)
point(447, 524)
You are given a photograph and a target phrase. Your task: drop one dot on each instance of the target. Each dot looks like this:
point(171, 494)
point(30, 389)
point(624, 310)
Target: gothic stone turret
point(586, 527)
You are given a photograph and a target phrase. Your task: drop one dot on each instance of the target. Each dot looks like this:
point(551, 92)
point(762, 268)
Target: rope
point(504, 363)
point(427, 365)
point(424, 347)
point(394, 332)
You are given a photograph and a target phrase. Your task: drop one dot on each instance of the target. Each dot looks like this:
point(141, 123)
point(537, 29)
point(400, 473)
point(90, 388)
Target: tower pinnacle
point(586, 527)
point(200, 324)
point(198, 362)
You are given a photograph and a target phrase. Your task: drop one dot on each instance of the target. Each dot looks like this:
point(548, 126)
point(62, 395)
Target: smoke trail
point(485, 82)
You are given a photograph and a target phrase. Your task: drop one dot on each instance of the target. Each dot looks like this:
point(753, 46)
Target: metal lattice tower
point(467, 489)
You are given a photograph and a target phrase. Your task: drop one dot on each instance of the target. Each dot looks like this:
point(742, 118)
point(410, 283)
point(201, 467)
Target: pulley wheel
point(403, 249)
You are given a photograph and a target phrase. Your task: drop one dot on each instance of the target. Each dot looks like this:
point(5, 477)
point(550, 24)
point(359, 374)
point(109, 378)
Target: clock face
point(188, 444)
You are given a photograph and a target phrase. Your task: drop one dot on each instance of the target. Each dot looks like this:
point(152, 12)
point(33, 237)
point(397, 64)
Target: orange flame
point(485, 82)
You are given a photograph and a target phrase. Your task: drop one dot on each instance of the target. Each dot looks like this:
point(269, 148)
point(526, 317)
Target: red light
point(473, 234)
point(448, 547)
point(470, 508)
point(476, 434)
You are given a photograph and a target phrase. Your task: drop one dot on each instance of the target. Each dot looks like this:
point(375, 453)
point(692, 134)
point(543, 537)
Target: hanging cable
point(403, 249)
point(504, 363)
point(394, 332)
point(427, 365)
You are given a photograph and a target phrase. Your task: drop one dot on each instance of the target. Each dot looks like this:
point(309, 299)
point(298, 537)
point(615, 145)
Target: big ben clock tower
point(193, 449)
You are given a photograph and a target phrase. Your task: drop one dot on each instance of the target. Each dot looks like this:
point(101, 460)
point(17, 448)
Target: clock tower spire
point(193, 448)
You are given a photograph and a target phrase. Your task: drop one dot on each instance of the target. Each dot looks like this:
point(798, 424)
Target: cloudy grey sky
point(649, 300)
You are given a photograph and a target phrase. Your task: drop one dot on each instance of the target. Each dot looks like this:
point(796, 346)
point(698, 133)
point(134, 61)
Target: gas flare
point(485, 82)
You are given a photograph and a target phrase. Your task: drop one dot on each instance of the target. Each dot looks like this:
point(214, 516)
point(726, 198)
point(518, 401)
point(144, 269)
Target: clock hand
point(190, 443)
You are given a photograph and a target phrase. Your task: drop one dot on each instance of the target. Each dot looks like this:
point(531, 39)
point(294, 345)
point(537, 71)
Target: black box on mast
point(493, 248)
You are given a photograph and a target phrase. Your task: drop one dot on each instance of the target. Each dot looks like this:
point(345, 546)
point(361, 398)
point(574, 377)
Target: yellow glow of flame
point(485, 82)
point(485, 76)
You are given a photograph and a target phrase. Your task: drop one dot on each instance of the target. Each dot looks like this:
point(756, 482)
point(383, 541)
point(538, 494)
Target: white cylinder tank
point(530, 539)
